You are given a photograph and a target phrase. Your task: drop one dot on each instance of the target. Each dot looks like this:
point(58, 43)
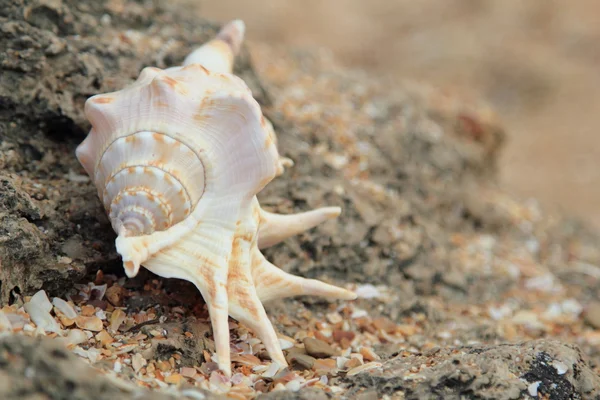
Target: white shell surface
point(178, 158)
point(169, 139)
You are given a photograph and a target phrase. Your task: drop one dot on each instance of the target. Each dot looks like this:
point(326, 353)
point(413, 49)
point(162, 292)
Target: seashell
point(178, 158)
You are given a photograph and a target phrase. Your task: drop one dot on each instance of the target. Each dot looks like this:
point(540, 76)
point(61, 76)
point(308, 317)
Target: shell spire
point(217, 55)
point(177, 158)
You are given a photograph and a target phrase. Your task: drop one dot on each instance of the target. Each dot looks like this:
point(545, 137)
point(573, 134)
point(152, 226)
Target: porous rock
point(35, 368)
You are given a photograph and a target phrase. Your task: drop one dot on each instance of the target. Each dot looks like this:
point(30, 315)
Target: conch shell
point(178, 158)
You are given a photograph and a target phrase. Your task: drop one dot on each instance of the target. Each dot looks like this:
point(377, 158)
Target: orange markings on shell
point(148, 171)
point(196, 67)
point(150, 197)
point(269, 141)
point(240, 290)
point(158, 137)
point(173, 83)
point(168, 179)
point(160, 104)
point(200, 116)
point(181, 195)
point(102, 99)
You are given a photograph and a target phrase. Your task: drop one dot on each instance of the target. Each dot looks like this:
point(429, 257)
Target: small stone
point(303, 361)
point(64, 307)
point(368, 354)
point(272, 370)
point(188, 372)
point(137, 362)
point(5, 324)
point(561, 367)
point(87, 311)
point(104, 338)
point(352, 363)
point(90, 323)
point(37, 310)
point(115, 294)
point(174, 379)
point(324, 366)
point(150, 368)
point(318, 348)
point(406, 330)
point(285, 344)
point(116, 319)
point(384, 324)
point(334, 318)
point(40, 300)
point(75, 337)
point(338, 335)
point(532, 389)
point(592, 315)
point(363, 368)
point(163, 366)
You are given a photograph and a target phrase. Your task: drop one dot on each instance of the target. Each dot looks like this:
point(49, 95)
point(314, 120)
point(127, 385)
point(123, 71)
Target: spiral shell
point(178, 158)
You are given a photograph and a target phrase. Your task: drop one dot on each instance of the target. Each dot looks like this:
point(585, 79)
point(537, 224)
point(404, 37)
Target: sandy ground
point(536, 62)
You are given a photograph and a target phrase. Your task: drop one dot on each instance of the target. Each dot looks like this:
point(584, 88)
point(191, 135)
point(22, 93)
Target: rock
point(43, 368)
point(592, 315)
point(318, 348)
point(499, 372)
point(304, 361)
point(304, 394)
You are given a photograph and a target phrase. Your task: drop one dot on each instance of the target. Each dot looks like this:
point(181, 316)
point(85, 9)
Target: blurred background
point(537, 62)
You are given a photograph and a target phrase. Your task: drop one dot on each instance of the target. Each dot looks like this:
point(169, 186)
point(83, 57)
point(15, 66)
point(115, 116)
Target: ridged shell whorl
point(172, 138)
point(178, 158)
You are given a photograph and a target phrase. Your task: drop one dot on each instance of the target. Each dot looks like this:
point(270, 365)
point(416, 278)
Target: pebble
point(90, 323)
point(40, 300)
point(533, 389)
point(352, 363)
point(87, 311)
point(137, 362)
point(368, 354)
point(114, 295)
point(188, 372)
point(42, 318)
point(363, 368)
point(324, 366)
point(75, 337)
point(338, 335)
point(318, 348)
point(302, 360)
point(5, 324)
point(104, 338)
point(384, 324)
point(592, 315)
point(64, 308)
point(334, 318)
point(285, 344)
point(174, 379)
point(561, 367)
point(116, 319)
